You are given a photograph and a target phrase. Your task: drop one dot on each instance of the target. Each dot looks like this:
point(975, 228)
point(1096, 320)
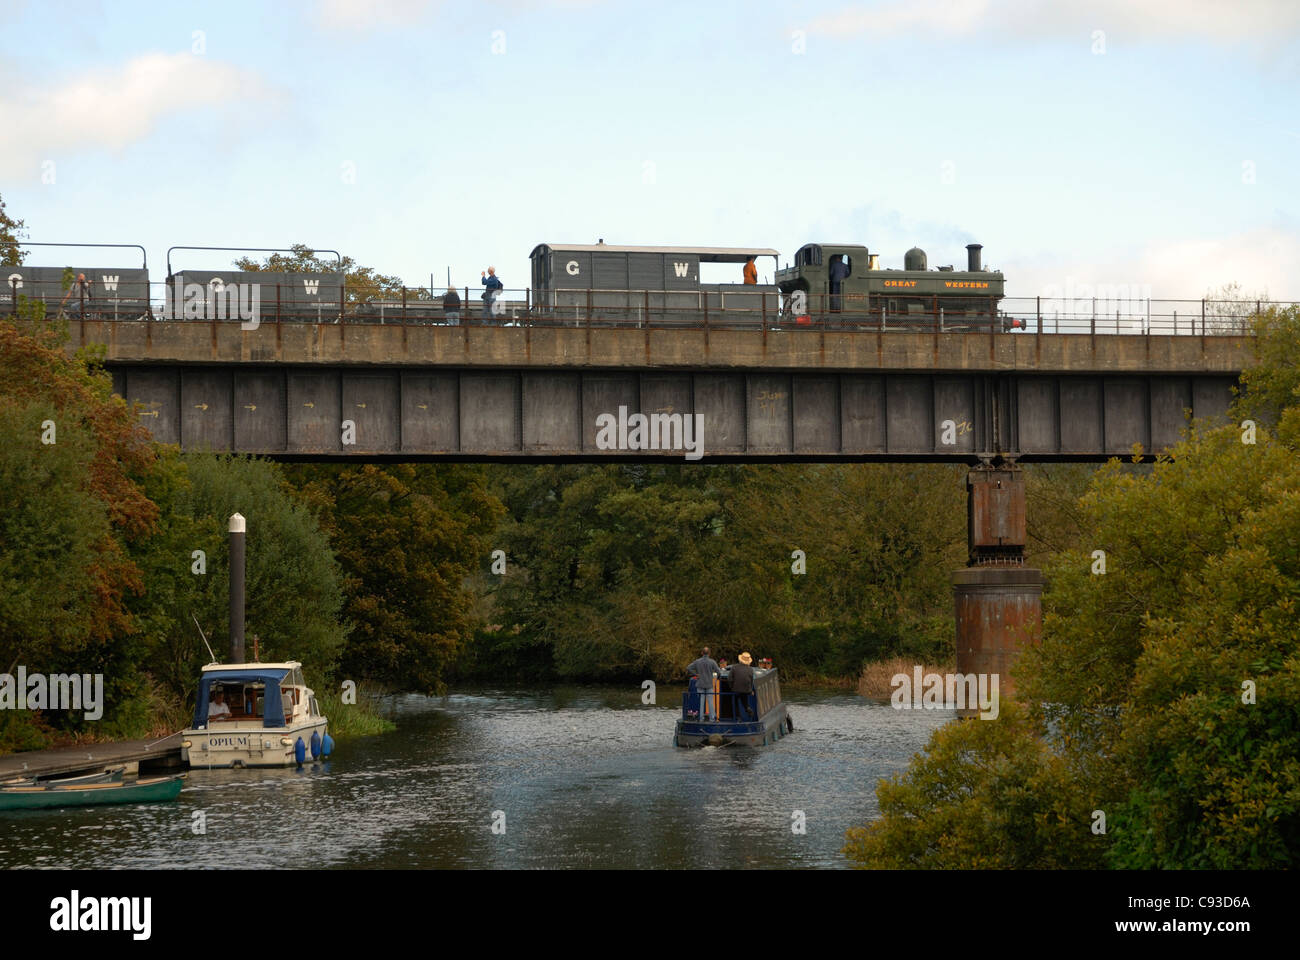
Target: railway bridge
point(407, 392)
point(590, 392)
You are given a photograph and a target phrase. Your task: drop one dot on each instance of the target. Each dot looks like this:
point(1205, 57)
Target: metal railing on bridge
point(708, 308)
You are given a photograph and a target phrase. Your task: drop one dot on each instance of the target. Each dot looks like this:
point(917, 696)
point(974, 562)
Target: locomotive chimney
point(973, 257)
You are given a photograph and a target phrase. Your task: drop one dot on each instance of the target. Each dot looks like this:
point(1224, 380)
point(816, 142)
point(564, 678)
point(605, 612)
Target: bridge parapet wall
point(398, 345)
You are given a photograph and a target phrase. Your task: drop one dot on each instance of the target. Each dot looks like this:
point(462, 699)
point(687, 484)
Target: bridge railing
point(753, 307)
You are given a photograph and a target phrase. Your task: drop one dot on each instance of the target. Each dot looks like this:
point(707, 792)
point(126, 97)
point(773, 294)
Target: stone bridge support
point(998, 598)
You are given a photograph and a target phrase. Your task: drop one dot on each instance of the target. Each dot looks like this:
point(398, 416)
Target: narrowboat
point(268, 718)
point(734, 725)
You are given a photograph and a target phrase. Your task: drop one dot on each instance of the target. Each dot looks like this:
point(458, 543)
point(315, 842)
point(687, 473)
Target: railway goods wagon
point(120, 293)
point(634, 283)
point(307, 297)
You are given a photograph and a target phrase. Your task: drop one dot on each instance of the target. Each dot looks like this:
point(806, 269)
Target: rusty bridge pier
point(998, 598)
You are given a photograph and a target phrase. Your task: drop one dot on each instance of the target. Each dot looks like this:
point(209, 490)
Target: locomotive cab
point(806, 286)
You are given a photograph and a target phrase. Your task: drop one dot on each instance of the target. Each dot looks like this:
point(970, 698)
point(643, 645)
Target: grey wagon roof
point(706, 254)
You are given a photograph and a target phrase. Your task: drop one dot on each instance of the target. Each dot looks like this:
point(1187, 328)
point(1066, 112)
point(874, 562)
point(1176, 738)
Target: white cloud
point(111, 109)
point(1262, 261)
point(1267, 23)
point(364, 14)
point(368, 14)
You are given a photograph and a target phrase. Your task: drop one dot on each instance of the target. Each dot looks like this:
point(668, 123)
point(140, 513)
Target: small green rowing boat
point(90, 794)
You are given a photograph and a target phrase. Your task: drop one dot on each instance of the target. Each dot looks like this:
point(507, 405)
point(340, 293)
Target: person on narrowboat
point(742, 684)
point(704, 669)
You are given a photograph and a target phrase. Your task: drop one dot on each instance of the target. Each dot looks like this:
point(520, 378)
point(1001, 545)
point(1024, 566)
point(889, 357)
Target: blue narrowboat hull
point(769, 728)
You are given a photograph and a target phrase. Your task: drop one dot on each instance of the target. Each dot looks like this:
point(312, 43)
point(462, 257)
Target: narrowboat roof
point(706, 254)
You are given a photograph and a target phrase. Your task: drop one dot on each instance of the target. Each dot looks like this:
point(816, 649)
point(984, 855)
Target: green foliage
point(626, 571)
point(293, 587)
point(1272, 384)
point(407, 538)
point(347, 720)
point(96, 544)
point(1140, 693)
point(986, 794)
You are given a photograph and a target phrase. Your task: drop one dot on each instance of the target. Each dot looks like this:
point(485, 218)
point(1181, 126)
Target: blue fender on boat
point(315, 744)
point(300, 751)
point(327, 745)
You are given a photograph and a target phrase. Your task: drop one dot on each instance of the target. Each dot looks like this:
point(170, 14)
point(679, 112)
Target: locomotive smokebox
point(973, 257)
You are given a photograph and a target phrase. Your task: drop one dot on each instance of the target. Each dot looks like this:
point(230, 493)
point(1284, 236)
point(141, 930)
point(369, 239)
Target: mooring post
point(998, 598)
point(236, 588)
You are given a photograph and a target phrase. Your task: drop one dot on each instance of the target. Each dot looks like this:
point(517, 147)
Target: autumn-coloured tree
point(11, 231)
point(362, 284)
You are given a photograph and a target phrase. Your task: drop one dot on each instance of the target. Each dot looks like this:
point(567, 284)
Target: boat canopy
point(273, 715)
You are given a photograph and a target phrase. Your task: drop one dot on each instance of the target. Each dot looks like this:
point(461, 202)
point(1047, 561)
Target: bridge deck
point(294, 344)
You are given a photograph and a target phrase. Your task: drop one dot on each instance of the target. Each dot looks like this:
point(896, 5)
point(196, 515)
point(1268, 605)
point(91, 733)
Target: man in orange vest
point(751, 271)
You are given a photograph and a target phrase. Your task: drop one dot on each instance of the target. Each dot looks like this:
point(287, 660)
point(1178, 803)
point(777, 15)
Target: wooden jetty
point(137, 754)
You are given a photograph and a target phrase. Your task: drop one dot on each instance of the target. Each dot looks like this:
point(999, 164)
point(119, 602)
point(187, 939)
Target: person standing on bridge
point(451, 307)
point(493, 287)
point(751, 271)
point(704, 668)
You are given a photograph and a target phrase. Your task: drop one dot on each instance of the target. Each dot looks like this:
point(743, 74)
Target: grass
point(875, 679)
point(360, 719)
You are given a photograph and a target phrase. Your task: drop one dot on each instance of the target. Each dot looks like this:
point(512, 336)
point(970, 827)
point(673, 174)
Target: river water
point(571, 777)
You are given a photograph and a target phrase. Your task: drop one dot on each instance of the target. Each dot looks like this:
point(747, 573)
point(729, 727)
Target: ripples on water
point(586, 777)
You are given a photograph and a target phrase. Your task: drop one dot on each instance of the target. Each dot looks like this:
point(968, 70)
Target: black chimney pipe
point(973, 257)
point(236, 588)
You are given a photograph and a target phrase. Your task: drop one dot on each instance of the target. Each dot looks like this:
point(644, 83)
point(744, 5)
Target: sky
point(1152, 145)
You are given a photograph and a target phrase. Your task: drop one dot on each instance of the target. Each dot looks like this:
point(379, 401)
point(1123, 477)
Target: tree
point(97, 537)
point(362, 284)
point(1018, 807)
point(1231, 310)
point(408, 537)
point(624, 571)
point(72, 465)
point(293, 585)
point(11, 231)
point(1165, 692)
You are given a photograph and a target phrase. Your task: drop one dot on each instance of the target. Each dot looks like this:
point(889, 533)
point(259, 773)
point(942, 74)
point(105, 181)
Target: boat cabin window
point(315, 710)
point(295, 677)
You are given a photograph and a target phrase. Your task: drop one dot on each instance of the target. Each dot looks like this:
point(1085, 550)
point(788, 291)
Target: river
point(571, 777)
